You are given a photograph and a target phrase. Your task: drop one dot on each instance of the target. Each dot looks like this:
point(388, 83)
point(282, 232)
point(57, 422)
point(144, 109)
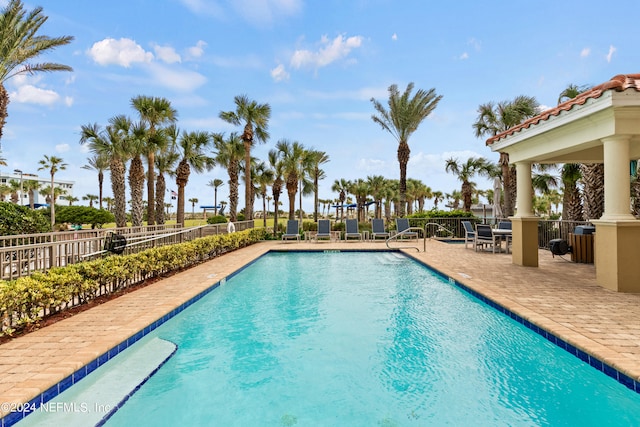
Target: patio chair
point(485, 237)
point(469, 233)
point(324, 229)
point(293, 230)
point(351, 229)
point(377, 229)
point(402, 227)
point(504, 225)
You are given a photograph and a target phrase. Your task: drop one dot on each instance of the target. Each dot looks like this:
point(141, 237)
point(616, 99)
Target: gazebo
point(601, 125)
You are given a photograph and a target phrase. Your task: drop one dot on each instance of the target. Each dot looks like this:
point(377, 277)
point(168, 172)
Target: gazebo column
point(617, 231)
point(524, 223)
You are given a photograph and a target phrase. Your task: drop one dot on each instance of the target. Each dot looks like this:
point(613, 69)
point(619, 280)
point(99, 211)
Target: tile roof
point(618, 83)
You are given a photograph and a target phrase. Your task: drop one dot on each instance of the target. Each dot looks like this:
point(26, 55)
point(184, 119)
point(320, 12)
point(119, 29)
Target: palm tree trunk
point(403, 159)
point(161, 187)
point(506, 182)
point(136, 185)
point(52, 204)
point(182, 177)
point(248, 196)
point(100, 184)
point(593, 191)
point(151, 205)
point(4, 103)
point(118, 189)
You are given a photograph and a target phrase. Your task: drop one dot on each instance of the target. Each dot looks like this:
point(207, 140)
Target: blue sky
point(318, 64)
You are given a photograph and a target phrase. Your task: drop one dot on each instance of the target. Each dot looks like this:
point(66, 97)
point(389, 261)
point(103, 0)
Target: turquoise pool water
point(363, 339)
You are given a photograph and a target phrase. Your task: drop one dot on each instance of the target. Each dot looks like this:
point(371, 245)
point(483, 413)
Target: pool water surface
point(363, 339)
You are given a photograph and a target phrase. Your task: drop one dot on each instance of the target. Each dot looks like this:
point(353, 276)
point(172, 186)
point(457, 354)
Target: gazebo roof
point(573, 131)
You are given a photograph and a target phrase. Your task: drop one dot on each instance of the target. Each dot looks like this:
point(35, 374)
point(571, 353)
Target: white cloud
point(68, 101)
point(122, 52)
point(464, 55)
point(62, 148)
point(198, 50)
point(177, 79)
point(612, 50)
point(394, 37)
point(279, 73)
point(585, 52)
point(29, 94)
point(166, 54)
point(329, 51)
point(204, 7)
point(374, 165)
point(477, 44)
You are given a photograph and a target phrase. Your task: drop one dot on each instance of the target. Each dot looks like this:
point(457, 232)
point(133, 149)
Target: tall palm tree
point(109, 201)
point(100, 164)
point(136, 147)
point(112, 142)
point(263, 176)
point(292, 155)
point(341, 186)
point(571, 201)
point(228, 153)
point(154, 112)
point(72, 200)
point(215, 183)
point(377, 184)
point(401, 120)
point(21, 43)
point(165, 164)
point(317, 159)
point(465, 172)
point(192, 148)
point(360, 190)
point(255, 118)
point(53, 164)
point(276, 163)
point(497, 118)
point(437, 198)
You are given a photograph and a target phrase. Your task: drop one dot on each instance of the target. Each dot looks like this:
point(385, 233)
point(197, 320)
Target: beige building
point(601, 125)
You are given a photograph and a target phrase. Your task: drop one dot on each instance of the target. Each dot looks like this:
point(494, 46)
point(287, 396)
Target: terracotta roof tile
point(618, 83)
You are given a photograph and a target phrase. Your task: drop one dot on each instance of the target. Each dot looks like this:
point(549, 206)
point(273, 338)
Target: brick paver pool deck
point(559, 296)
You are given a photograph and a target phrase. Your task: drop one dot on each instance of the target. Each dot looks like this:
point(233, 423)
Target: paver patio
point(560, 296)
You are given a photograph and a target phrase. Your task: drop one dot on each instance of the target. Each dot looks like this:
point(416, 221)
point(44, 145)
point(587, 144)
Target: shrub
point(84, 215)
point(216, 219)
point(16, 219)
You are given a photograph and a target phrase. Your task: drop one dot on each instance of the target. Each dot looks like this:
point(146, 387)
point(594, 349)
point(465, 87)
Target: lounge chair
point(504, 225)
point(377, 229)
point(324, 229)
point(469, 233)
point(402, 226)
point(293, 230)
point(485, 237)
point(351, 229)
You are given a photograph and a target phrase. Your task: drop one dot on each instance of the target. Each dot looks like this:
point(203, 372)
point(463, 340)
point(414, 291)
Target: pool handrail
point(410, 230)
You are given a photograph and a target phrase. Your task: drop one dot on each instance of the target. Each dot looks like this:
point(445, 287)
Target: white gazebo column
point(524, 223)
point(617, 231)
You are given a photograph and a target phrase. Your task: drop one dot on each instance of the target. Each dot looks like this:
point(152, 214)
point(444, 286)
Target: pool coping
point(12, 418)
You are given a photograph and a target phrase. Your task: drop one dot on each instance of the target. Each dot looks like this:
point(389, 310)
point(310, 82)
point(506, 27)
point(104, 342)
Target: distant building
point(45, 183)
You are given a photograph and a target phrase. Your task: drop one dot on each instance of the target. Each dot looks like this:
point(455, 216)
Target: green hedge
point(27, 300)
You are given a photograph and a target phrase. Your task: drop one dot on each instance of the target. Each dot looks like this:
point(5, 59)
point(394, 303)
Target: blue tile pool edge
point(14, 417)
point(593, 361)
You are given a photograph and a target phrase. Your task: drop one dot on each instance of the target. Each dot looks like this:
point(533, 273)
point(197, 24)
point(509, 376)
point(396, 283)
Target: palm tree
point(165, 164)
point(255, 118)
point(401, 120)
point(53, 164)
point(112, 142)
point(263, 176)
point(276, 163)
point(30, 187)
point(437, 198)
point(228, 153)
point(494, 119)
point(72, 200)
point(215, 183)
point(377, 184)
point(571, 91)
point(464, 172)
point(136, 146)
point(317, 158)
point(100, 164)
point(21, 43)
point(341, 186)
point(109, 201)
point(571, 202)
point(192, 146)
point(292, 155)
point(193, 202)
point(90, 197)
point(360, 190)
point(154, 112)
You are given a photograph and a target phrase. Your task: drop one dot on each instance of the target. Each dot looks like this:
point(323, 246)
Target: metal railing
point(41, 252)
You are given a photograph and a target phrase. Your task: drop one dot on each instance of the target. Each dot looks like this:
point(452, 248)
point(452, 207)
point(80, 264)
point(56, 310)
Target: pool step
point(98, 395)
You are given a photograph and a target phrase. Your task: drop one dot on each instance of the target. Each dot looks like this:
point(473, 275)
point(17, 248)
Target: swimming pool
point(363, 339)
